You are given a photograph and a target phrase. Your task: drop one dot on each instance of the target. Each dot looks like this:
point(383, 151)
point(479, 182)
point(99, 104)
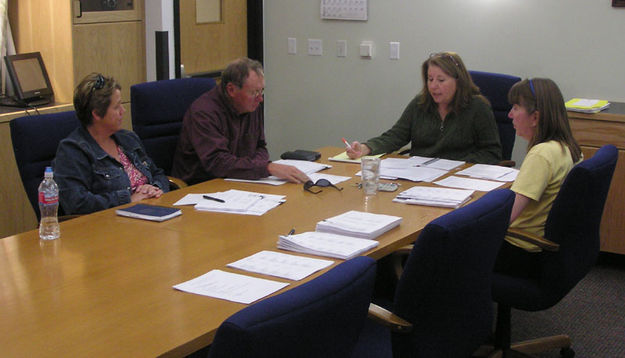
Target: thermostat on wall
point(344, 9)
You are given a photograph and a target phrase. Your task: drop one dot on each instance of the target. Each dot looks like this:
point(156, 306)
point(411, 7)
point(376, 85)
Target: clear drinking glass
point(370, 174)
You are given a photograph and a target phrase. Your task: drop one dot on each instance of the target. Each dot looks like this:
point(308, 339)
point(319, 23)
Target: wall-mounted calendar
point(344, 9)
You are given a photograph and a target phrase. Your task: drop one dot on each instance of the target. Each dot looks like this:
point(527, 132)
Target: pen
point(291, 232)
point(346, 143)
point(207, 197)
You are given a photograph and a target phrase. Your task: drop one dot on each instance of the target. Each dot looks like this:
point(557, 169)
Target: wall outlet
point(366, 49)
point(315, 47)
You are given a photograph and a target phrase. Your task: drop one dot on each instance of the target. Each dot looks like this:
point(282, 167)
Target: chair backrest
point(35, 140)
point(321, 318)
point(495, 87)
point(573, 223)
point(445, 288)
point(157, 111)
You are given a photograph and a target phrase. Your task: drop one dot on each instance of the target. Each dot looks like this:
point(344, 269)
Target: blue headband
point(532, 87)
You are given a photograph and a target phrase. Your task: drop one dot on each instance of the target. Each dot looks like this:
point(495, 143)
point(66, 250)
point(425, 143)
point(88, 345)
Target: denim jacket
point(91, 180)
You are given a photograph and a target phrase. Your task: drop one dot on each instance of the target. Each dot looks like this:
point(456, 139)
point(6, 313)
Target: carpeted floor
point(592, 314)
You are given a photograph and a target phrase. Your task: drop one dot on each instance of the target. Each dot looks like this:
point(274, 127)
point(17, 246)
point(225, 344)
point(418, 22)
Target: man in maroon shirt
point(223, 132)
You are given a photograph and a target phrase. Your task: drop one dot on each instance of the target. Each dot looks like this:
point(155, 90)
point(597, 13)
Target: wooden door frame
point(254, 32)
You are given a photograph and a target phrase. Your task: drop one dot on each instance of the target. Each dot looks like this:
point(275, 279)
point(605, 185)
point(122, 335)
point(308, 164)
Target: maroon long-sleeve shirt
point(216, 142)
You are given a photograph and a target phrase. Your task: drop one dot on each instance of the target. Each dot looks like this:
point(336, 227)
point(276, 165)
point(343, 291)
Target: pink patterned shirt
point(136, 177)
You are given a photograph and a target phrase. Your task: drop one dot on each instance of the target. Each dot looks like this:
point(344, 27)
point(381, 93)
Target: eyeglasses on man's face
point(323, 183)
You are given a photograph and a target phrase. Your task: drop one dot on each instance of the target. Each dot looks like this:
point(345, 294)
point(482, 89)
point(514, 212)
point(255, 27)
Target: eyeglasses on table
point(323, 183)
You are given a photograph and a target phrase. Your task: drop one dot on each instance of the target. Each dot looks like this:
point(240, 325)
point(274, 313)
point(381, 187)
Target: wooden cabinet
point(593, 131)
point(71, 48)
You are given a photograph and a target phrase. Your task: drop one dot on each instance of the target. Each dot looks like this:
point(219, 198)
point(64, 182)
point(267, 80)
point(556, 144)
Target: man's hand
point(357, 150)
point(287, 172)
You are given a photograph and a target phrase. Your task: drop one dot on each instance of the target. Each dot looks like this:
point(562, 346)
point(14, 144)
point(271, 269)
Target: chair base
point(525, 349)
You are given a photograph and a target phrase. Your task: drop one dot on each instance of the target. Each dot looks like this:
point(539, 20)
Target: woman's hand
point(357, 150)
point(146, 191)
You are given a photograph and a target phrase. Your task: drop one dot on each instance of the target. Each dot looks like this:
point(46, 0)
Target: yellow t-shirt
point(543, 170)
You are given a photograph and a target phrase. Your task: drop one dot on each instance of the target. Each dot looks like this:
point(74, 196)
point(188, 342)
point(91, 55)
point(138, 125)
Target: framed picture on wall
point(618, 3)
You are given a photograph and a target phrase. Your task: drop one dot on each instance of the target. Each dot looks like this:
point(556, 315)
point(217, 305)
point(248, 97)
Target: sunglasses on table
point(323, 183)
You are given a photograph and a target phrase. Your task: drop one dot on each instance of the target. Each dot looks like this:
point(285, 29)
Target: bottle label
point(47, 200)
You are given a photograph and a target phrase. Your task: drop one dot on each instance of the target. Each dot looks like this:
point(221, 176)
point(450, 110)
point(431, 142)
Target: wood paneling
point(116, 50)
point(593, 131)
point(210, 47)
point(45, 26)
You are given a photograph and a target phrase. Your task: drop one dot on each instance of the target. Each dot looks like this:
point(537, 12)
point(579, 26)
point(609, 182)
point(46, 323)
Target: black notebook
point(149, 212)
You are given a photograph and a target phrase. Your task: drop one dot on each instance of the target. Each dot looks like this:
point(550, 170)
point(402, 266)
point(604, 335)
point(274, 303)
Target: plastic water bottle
point(49, 207)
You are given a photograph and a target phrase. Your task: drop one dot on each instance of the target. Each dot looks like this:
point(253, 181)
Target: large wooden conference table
point(105, 287)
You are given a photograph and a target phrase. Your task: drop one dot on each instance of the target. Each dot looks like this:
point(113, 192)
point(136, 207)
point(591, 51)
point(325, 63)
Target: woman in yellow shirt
point(539, 116)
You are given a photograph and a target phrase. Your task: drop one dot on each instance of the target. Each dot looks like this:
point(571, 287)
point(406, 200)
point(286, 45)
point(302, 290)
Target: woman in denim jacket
point(100, 165)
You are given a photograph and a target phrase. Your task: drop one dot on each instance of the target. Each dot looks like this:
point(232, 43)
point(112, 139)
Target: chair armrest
point(175, 183)
point(533, 239)
point(388, 319)
point(398, 258)
point(507, 163)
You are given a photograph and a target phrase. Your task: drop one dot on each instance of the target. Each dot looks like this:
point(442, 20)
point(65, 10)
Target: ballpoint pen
point(208, 197)
point(346, 143)
point(291, 232)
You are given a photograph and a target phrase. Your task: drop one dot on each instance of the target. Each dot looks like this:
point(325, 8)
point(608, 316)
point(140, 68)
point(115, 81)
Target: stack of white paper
point(359, 224)
point(422, 195)
point(305, 166)
point(326, 244)
point(239, 202)
point(281, 265)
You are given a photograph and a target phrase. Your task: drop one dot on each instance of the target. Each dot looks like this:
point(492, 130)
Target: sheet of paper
point(467, 183)
point(334, 179)
point(413, 173)
point(268, 180)
point(277, 264)
point(241, 202)
point(486, 171)
point(303, 165)
point(342, 157)
point(230, 286)
point(190, 199)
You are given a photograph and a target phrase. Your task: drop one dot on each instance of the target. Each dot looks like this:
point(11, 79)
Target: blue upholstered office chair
point(573, 225)
point(443, 305)
point(157, 111)
point(35, 139)
point(495, 87)
point(321, 318)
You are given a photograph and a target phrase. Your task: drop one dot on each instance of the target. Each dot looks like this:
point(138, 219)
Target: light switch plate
point(394, 51)
point(341, 48)
point(292, 45)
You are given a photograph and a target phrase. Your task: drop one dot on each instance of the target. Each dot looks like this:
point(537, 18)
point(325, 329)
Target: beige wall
point(313, 101)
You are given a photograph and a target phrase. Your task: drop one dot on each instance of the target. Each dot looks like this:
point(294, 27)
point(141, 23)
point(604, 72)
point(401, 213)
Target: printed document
point(305, 166)
point(326, 244)
point(277, 264)
point(466, 183)
point(359, 224)
point(230, 286)
point(491, 172)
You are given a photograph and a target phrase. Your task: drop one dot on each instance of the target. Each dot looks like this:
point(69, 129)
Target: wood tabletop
point(105, 287)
